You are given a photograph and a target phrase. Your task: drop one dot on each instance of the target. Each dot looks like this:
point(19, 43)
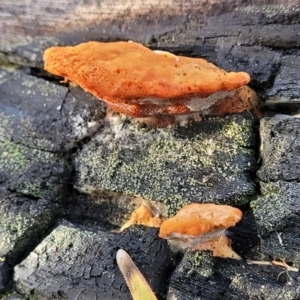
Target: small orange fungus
point(202, 227)
point(144, 215)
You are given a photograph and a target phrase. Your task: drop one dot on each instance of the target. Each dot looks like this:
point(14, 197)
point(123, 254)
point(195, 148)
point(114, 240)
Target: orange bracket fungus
point(145, 84)
point(202, 227)
point(195, 226)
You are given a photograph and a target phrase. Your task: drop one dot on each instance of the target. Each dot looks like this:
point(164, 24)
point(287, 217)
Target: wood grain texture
point(165, 22)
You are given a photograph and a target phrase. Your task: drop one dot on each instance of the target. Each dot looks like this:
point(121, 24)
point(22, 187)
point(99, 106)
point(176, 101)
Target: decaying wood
point(259, 37)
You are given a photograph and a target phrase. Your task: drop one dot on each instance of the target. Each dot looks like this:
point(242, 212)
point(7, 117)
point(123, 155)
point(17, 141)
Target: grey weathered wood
point(41, 114)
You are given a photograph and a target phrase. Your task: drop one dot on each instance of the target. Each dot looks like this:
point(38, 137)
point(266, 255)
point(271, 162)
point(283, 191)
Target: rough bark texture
point(23, 222)
point(277, 210)
point(200, 276)
point(280, 149)
point(79, 263)
point(33, 172)
point(54, 137)
point(44, 115)
point(212, 161)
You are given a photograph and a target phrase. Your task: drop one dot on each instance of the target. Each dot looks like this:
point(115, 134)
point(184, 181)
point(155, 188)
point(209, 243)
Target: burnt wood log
point(259, 37)
point(82, 264)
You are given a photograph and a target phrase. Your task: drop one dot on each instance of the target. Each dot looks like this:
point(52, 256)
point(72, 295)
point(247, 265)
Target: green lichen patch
point(276, 214)
point(33, 172)
point(277, 209)
point(278, 204)
point(204, 162)
point(22, 221)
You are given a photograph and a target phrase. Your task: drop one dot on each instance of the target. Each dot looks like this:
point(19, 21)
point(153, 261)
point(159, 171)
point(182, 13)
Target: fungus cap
point(139, 82)
point(198, 223)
